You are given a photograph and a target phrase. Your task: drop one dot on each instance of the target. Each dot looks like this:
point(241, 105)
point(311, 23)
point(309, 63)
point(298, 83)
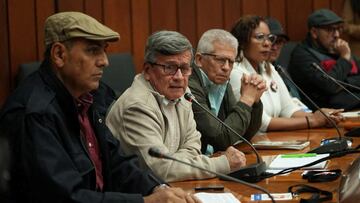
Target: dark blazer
point(245, 120)
point(50, 161)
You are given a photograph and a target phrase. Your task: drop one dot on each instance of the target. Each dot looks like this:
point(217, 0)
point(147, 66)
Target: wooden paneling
point(209, 15)
point(22, 35)
point(297, 13)
point(70, 5)
point(117, 16)
point(277, 9)
point(187, 19)
point(318, 4)
point(232, 12)
point(44, 8)
point(255, 7)
point(94, 8)
point(140, 30)
point(163, 15)
point(4, 53)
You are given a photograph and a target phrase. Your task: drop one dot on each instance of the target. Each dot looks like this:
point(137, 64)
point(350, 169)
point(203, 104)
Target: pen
point(298, 155)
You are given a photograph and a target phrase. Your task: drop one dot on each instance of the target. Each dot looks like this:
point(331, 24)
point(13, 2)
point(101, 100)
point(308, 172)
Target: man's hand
point(236, 158)
point(342, 47)
point(252, 87)
point(171, 195)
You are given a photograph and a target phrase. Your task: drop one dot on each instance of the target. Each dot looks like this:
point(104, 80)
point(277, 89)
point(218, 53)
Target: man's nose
point(103, 60)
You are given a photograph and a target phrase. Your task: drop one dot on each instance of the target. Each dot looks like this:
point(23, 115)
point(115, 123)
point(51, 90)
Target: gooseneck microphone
point(336, 145)
point(325, 74)
point(251, 173)
point(154, 152)
point(355, 131)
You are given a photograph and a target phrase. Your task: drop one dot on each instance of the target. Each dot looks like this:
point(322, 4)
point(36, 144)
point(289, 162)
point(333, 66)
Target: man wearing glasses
point(324, 47)
point(153, 113)
point(209, 83)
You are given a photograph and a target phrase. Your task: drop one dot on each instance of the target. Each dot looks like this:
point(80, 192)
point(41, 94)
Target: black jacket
point(322, 90)
point(50, 161)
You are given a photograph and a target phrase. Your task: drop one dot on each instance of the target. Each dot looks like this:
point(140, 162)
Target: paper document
point(217, 197)
point(351, 114)
point(284, 161)
point(295, 144)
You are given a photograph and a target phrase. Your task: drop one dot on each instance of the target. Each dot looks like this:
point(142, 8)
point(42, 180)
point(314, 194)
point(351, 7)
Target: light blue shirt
point(216, 93)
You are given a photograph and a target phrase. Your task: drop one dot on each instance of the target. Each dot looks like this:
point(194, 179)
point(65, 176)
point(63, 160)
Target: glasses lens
point(272, 38)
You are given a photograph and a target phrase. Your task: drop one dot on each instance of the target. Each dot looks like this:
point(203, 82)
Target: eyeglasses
point(280, 41)
point(332, 29)
point(220, 60)
point(261, 37)
point(171, 69)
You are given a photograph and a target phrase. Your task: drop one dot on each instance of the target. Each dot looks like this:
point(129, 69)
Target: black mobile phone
point(209, 187)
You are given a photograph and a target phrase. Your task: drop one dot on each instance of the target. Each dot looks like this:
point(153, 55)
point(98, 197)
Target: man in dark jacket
point(324, 47)
point(215, 55)
point(62, 150)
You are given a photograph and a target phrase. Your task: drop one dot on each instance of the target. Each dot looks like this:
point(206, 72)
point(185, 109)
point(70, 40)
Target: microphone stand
point(251, 173)
point(336, 81)
point(355, 131)
point(332, 147)
point(154, 152)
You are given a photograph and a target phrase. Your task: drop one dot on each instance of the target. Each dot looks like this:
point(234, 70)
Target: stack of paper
point(284, 161)
point(295, 144)
point(217, 197)
point(351, 114)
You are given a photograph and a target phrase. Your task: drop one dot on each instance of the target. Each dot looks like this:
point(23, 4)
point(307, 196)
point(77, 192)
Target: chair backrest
point(285, 54)
point(349, 189)
point(118, 75)
point(25, 70)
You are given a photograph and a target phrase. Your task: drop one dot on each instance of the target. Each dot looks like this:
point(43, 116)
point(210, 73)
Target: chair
point(118, 75)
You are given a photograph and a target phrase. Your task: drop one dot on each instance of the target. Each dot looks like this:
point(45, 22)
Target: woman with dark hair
point(279, 112)
point(351, 15)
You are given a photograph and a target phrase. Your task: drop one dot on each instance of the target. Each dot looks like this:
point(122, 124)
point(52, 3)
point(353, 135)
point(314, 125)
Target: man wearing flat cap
point(324, 47)
point(62, 150)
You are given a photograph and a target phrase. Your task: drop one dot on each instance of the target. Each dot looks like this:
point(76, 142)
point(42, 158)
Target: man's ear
point(198, 60)
point(146, 69)
point(313, 33)
point(58, 54)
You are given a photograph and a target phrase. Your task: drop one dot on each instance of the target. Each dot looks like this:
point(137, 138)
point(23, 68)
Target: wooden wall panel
point(163, 15)
point(232, 12)
point(277, 9)
point(209, 15)
point(337, 6)
point(255, 7)
point(22, 34)
point(44, 8)
point(94, 8)
point(117, 16)
point(140, 30)
point(70, 5)
point(187, 19)
point(297, 18)
point(4, 54)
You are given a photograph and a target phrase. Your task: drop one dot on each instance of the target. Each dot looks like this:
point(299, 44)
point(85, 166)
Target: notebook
point(284, 161)
point(294, 144)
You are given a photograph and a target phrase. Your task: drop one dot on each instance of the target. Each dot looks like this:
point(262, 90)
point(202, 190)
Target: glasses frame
point(331, 29)
point(171, 69)
point(220, 60)
point(261, 37)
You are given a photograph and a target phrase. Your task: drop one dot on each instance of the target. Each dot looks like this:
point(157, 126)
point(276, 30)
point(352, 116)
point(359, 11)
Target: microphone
point(333, 145)
point(317, 67)
point(353, 132)
point(154, 152)
point(251, 173)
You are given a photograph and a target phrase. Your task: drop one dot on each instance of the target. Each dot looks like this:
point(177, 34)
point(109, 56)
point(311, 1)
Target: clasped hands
point(252, 87)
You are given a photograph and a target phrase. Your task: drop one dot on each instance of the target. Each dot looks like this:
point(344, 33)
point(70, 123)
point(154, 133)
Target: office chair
point(118, 75)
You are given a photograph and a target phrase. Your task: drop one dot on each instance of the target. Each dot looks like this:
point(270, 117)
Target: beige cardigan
point(137, 121)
